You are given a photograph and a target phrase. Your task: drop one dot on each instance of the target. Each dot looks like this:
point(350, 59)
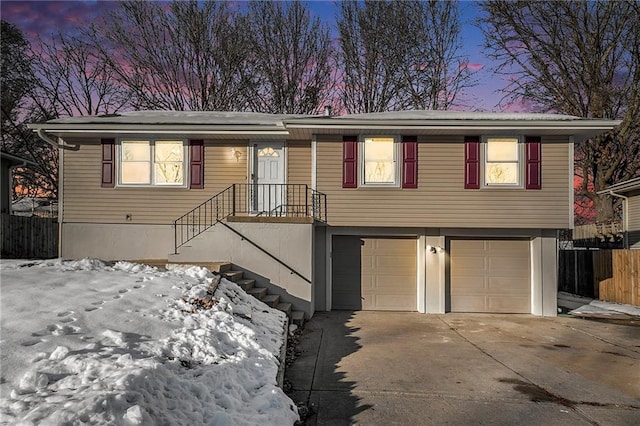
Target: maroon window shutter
point(472, 162)
point(108, 163)
point(534, 163)
point(409, 162)
point(349, 161)
point(196, 164)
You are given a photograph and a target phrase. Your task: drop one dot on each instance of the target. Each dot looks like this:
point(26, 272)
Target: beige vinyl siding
point(634, 213)
point(299, 162)
point(85, 201)
point(441, 199)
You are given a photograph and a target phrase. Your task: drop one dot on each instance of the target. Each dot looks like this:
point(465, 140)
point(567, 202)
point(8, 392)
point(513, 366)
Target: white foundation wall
point(116, 241)
point(292, 244)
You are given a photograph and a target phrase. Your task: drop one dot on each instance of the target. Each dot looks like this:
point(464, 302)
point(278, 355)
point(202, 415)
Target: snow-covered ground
point(84, 342)
point(607, 308)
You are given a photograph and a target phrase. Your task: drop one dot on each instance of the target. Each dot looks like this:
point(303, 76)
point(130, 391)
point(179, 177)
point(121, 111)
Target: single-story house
point(8, 162)
point(428, 211)
point(629, 192)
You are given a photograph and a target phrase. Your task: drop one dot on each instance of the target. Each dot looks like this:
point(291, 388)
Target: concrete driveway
point(379, 368)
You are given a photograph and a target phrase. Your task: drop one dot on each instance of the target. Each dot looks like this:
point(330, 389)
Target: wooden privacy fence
point(580, 271)
point(624, 284)
point(29, 237)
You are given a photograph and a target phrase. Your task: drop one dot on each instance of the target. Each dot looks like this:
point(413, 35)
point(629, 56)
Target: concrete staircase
point(261, 293)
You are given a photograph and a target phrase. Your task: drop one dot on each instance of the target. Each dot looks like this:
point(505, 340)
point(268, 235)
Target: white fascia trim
point(171, 132)
point(457, 125)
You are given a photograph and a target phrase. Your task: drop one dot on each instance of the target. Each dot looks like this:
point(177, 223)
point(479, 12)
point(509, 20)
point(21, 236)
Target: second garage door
point(389, 274)
point(490, 276)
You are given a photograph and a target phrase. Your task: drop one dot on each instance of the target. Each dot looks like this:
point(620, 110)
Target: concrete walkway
point(378, 368)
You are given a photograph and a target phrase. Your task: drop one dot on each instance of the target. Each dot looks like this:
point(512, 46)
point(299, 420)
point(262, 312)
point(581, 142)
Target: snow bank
point(86, 342)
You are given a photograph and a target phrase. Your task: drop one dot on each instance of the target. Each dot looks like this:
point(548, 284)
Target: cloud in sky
point(471, 66)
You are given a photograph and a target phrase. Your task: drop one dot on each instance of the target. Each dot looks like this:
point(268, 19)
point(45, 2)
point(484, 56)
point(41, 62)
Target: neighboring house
point(38, 206)
point(7, 163)
point(629, 192)
point(422, 211)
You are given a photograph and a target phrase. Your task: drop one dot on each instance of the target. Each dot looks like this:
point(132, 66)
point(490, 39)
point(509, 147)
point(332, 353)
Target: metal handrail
point(276, 200)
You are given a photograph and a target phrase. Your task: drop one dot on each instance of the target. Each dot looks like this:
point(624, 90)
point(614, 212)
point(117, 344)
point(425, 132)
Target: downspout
point(60, 199)
point(625, 215)
point(42, 135)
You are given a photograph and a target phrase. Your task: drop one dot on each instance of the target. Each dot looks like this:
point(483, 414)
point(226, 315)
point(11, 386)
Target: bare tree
point(17, 83)
point(16, 72)
point(580, 58)
point(73, 80)
point(400, 55)
point(292, 58)
point(182, 56)
point(437, 74)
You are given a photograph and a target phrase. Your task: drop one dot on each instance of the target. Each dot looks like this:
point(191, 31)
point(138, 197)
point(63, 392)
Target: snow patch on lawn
point(83, 341)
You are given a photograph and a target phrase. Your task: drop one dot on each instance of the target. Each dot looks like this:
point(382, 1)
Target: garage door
point(374, 274)
point(490, 276)
point(345, 273)
point(389, 274)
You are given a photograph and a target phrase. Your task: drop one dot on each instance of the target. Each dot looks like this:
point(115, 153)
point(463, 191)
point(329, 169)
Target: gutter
point(325, 122)
point(625, 211)
point(48, 139)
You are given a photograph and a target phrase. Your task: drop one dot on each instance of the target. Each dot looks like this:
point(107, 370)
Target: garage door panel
point(509, 304)
point(468, 285)
point(467, 303)
point(505, 264)
point(503, 285)
point(490, 276)
point(466, 262)
point(401, 261)
point(504, 246)
point(388, 302)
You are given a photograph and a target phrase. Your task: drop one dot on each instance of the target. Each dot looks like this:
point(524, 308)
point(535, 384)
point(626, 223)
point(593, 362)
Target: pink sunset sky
point(44, 18)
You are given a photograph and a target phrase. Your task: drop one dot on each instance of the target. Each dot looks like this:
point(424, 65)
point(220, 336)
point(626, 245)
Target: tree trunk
point(604, 208)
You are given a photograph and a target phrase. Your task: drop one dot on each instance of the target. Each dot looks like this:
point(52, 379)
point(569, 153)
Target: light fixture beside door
point(236, 153)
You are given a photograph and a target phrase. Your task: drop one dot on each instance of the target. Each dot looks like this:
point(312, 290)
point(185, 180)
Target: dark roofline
point(17, 160)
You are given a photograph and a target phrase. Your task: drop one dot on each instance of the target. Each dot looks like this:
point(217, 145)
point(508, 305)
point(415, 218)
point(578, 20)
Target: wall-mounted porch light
point(236, 153)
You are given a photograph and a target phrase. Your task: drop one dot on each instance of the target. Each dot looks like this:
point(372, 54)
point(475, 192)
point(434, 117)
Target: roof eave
point(327, 122)
point(622, 187)
point(62, 129)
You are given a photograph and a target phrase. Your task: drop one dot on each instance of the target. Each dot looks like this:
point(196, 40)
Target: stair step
point(218, 267)
point(285, 307)
point(271, 299)
point(297, 317)
point(246, 284)
point(258, 292)
point(234, 276)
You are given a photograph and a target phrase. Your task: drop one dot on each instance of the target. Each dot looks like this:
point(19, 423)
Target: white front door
point(268, 175)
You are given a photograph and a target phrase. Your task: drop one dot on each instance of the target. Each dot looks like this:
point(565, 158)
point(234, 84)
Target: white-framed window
point(503, 162)
point(152, 163)
point(379, 165)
